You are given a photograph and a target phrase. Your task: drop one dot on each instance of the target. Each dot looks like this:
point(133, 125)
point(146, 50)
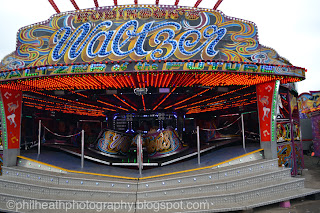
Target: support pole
point(198, 143)
point(39, 138)
point(139, 154)
point(82, 148)
point(294, 153)
point(243, 137)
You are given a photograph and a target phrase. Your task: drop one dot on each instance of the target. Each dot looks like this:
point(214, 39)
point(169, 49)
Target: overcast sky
point(291, 27)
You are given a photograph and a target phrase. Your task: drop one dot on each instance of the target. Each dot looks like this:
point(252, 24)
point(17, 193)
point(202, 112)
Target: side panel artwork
point(267, 97)
point(11, 105)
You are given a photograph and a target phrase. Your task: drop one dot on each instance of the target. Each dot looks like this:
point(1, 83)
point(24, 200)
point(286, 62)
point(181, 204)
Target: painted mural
point(61, 44)
point(113, 143)
point(308, 103)
point(288, 111)
point(283, 110)
point(297, 132)
point(285, 155)
point(284, 132)
point(158, 143)
point(163, 143)
point(309, 107)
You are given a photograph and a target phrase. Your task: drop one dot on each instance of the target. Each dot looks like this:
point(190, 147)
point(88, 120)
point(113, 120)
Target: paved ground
point(301, 205)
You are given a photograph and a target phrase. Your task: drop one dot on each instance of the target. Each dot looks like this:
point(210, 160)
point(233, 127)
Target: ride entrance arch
point(136, 67)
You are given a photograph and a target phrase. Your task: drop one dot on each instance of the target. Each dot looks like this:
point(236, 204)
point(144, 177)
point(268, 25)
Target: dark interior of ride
point(166, 119)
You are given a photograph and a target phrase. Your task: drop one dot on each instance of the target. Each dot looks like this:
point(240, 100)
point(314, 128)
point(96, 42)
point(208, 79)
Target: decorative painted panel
point(285, 155)
point(284, 132)
point(308, 103)
point(267, 94)
point(85, 41)
point(11, 105)
point(113, 143)
point(163, 143)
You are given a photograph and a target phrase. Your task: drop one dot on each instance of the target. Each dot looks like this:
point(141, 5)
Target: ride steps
point(214, 189)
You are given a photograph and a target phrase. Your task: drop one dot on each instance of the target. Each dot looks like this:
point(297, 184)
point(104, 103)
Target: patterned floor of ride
point(70, 162)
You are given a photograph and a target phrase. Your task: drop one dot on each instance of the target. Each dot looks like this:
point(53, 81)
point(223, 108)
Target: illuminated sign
point(150, 40)
point(146, 66)
point(140, 38)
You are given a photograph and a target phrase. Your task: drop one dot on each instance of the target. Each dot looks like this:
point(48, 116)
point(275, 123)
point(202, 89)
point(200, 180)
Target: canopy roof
point(91, 61)
point(129, 40)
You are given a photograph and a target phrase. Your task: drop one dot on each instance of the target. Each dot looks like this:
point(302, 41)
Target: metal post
point(295, 167)
point(198, 143)
point(82, 148)
point(301, 148)
point(139, 154)
point(44, 135)
point(243, 138)
point(39, 137)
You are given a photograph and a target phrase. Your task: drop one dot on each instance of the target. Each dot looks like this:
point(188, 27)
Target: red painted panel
point(264, 99)
point(11, 100)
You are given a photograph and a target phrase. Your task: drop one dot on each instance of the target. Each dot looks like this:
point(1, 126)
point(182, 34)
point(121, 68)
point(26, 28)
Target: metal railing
point(65, 136)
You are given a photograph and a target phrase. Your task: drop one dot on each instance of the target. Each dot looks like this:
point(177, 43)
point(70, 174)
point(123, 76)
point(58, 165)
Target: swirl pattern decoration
point(143, 32)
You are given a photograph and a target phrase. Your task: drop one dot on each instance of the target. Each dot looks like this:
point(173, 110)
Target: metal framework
point(115, 2)
point(54, 6)
point(75, 5)
point(217, 4)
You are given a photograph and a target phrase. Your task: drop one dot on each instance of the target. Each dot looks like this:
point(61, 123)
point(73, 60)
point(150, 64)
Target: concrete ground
point(304, 204)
